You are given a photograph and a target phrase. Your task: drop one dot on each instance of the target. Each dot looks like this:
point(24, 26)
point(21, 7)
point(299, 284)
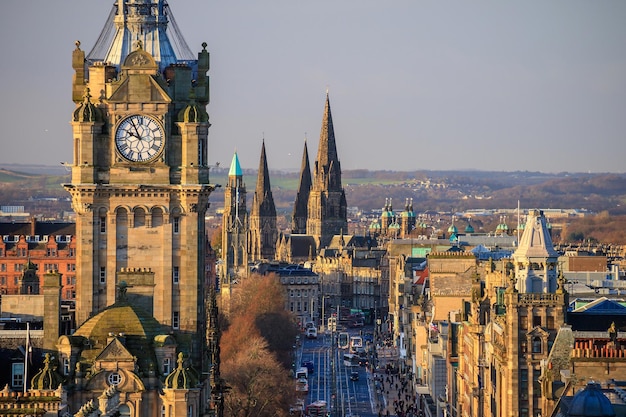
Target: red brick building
point(48, 245)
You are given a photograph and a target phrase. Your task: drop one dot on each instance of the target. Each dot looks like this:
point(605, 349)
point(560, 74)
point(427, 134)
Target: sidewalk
point(394, 392)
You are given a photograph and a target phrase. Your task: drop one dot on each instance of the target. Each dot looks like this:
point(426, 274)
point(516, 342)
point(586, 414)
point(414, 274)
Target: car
point(354, 376)
point(309, 365)
point(311, 333)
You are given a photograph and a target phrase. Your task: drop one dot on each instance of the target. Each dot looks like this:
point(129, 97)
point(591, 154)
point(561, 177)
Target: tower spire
point(300, 208)
point(327, 150)
point(327, 209)
point(263, 231)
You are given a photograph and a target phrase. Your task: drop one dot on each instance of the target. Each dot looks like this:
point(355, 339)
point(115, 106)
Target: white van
point(311, 333)
point(302, 373)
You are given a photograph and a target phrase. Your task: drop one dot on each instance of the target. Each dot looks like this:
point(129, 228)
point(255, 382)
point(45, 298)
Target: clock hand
point(138, 136)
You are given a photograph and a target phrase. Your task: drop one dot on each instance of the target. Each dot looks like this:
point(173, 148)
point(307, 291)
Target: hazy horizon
point(414, 85)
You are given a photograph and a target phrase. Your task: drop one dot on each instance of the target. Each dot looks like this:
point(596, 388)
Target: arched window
point(157, 217)
point(140, 217)
point(123, 411)
point(121, 219)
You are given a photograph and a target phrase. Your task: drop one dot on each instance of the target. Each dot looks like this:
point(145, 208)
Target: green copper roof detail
point(235, 168)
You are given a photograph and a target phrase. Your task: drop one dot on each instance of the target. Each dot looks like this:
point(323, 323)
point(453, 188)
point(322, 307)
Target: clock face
point(139, 138)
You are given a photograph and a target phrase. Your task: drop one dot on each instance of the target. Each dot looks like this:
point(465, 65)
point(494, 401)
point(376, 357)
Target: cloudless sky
point(487, 85)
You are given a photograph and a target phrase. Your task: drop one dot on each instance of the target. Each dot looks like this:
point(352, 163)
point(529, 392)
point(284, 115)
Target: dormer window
point(536, 344)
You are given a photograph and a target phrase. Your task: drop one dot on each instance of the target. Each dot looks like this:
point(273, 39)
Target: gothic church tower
point(327, 207)
point(300, 207)
point(140, 178)
point(234, 223)
point(263, 232)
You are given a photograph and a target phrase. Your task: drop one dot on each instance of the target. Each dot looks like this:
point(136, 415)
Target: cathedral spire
point(327, 150)
point(263, 193)
point(327, 209)
point(300, 208)
point(263, 231)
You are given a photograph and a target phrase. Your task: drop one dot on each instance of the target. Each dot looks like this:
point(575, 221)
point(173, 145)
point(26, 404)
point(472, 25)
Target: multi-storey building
point(509, 326)
point(50, 246)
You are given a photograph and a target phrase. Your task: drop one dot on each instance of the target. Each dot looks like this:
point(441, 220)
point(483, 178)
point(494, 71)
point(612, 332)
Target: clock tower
point(140, 177)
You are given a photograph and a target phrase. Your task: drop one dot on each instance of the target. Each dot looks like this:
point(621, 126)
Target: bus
point(344, 340)
point(356, 344)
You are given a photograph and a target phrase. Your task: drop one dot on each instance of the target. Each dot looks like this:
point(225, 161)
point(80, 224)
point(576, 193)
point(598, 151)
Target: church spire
point(327, 150)
point(327, 208)
point(300, 208)
point(263, 199)
point(263, 231)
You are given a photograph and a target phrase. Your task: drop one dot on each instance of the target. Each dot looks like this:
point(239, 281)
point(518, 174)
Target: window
point(51, 252)
point(175, 275)
point(71, 267)
point(536, 344)
point(523, 322)
point(103, 224)
point(175, 319)
point(157, 217)
point(114, 378)
point(3, 267)
point(536, 383)
point(176, 225)
point(550, 322)
point(536, 321)
point(166, 366)
point(139, 218)
point(72, 252)
point(66, 366)
point(103, 275)
point(17, 375)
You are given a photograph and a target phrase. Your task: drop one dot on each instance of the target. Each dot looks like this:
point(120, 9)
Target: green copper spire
point(235, 168)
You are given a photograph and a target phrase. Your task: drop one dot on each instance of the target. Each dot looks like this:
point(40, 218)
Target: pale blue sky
point(488, 85)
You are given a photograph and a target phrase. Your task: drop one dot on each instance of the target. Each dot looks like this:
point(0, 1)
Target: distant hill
point(430, 190)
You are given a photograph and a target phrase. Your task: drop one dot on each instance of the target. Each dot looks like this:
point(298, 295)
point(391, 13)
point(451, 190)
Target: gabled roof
point(116, 352)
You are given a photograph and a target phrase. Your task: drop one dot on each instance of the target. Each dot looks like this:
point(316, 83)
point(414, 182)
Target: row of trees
point(257, 349)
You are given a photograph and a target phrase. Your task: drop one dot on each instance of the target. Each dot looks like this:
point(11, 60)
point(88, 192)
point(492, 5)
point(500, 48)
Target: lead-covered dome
point(591, 402)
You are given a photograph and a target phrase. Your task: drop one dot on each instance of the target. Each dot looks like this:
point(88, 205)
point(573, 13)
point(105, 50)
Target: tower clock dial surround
point(139, 138)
